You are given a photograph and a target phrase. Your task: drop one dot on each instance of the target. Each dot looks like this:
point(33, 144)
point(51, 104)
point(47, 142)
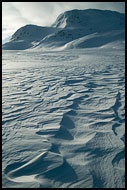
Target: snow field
point(63, 118)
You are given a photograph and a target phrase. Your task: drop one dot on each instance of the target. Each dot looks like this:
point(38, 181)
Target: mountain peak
point(90, 17)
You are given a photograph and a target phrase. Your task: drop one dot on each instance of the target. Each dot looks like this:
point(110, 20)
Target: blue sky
point(18, 14)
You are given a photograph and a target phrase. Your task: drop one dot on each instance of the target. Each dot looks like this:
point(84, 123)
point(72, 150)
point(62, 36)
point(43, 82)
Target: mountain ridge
point(69, 26)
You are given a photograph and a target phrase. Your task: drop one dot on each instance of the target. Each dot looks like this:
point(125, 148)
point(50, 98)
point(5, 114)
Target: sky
point(18, 14)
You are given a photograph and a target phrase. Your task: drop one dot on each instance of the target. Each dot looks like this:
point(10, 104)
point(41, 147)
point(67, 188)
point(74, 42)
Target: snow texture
point(63, 118)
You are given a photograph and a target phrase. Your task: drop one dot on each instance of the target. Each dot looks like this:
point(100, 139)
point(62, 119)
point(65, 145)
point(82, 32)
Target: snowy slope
point(27, 36)
point(96, 40)
point(68, 27)
point(76, 24)
point(91, 19)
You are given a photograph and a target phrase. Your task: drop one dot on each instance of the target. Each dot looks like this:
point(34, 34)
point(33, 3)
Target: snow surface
point(63, 118)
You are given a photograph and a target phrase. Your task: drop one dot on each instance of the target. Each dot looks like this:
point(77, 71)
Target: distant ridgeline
point(72, 29)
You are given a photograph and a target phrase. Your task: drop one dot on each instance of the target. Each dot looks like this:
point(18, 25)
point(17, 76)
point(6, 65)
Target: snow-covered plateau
point(63, 109)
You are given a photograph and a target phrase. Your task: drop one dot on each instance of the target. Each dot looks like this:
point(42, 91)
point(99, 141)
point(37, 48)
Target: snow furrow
point(63, 119)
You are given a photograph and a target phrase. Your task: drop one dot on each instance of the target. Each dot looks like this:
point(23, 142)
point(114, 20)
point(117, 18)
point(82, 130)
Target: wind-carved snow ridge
point(72, 29)
point(63, 119)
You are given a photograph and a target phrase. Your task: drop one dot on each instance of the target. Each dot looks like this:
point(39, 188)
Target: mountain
point(27, 36)
point(92, 19)
point(72, 29)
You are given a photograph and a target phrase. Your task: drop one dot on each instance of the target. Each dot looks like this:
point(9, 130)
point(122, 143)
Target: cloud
point(11, 20)
point(17, 14)
point(11, 16)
